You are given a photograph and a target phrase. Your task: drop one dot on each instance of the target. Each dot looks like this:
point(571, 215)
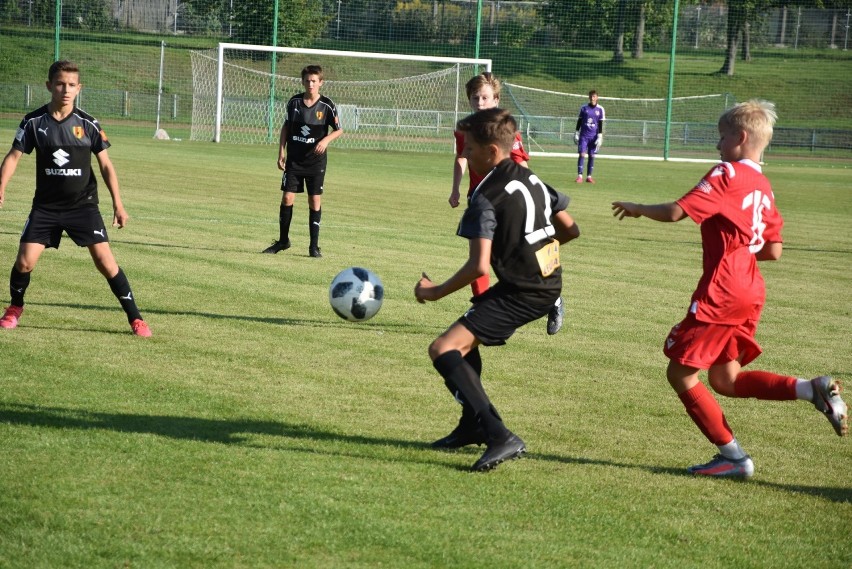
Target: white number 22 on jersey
point(533, 235)
point(758, 202)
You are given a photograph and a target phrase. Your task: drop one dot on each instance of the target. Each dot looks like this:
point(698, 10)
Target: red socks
point(765, 385)
point(707, 414)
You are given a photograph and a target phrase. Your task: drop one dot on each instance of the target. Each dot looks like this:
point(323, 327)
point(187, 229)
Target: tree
point(299, 22)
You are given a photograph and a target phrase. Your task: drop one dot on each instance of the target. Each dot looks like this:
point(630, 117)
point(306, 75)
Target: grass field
point(257, 429)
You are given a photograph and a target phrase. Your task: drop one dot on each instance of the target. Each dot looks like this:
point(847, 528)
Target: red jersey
point(518, 155)
point(735, 207)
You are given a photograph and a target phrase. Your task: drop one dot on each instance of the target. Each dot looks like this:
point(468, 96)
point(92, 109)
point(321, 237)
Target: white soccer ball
point(356, 294)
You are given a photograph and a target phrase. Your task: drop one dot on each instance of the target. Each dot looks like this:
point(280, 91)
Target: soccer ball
point(356, 294)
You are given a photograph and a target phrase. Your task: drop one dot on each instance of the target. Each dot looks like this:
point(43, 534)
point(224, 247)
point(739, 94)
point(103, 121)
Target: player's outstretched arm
point(7, 169)
point(658, 212)
point(477, 265)
point(119, 215)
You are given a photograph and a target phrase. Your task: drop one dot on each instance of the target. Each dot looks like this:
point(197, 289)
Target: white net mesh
point(415, 112)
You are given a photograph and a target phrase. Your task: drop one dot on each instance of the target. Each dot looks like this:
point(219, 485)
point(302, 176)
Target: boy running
point(302, 155)
point(511, 223)
point(740, 225)
point(483, 92)
point(66, 196)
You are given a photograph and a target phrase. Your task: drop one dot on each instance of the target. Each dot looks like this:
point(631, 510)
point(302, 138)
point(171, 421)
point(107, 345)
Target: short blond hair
point(477, 82)
point(756, 117)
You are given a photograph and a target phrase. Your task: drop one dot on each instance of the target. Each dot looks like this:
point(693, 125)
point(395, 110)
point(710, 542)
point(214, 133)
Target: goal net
point(387, 101)
point(634, 127)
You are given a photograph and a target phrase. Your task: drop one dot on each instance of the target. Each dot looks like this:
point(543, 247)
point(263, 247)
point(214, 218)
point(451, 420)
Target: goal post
point(389, 101)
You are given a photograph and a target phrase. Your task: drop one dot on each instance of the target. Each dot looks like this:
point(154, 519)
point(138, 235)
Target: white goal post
point(406, 102)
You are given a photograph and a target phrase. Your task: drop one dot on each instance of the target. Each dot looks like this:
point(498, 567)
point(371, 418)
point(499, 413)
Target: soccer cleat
point(140, 328)
point(11, 317)
point(512, 447)
point(276, 247)
point(725, 467)
point(579, 179)
point(589, 180)
point(461, 436)
point(314, 251)
point(555, 317)
point(828, 402)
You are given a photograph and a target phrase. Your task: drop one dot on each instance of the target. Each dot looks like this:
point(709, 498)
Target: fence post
point(125, 104)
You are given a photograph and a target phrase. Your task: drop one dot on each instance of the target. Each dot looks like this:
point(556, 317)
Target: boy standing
point(589, 135)
point(66, 196)
point(305, 131)
point(483, 92)
point(510, 223)
point(740, 225)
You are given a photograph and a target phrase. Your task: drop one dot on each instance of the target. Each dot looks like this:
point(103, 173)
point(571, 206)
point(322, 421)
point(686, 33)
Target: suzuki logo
point(305, 130)
point(60, 157)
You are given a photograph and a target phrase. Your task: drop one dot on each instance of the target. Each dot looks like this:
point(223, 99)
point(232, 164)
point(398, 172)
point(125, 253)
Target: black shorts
point(497, 313)
point(84, 225)
point(296, 183)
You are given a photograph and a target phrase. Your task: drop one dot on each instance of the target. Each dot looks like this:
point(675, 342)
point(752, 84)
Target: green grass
point(256, 429)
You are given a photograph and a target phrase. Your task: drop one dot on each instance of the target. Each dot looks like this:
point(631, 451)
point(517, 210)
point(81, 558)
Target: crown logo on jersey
point(78, 131)
point(319, 115)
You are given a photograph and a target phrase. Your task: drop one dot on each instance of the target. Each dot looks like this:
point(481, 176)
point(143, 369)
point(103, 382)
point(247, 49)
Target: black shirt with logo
point(306, 126)
point(64, 175)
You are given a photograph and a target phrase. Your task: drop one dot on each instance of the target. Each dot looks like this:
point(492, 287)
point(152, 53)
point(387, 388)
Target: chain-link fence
point(136, 57)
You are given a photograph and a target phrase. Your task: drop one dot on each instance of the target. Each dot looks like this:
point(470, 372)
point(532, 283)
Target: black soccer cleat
point(555, 317)
point(461, 436)
point(512, 447)
point(314, 251)
point(276, 247)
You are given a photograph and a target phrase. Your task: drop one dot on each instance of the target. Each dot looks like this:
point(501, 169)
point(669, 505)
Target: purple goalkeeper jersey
point(590, 120)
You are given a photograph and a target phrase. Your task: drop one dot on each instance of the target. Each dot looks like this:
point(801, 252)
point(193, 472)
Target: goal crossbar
point(322, 52)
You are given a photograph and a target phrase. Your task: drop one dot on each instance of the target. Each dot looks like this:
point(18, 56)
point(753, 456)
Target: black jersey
point(64, 176)
point(513, 208)
point(306, 126)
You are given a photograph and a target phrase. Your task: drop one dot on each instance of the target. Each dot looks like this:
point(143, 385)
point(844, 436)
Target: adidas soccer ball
point(356, 294)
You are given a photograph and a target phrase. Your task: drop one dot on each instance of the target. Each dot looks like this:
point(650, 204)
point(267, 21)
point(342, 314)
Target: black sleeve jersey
point(513, 208)
point(306, 126)
point(64, 175)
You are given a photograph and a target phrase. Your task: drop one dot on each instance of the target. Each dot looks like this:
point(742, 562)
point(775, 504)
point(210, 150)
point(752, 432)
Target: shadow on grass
point(237, 431)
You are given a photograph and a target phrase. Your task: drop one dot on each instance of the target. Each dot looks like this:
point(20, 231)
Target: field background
point(256, 429)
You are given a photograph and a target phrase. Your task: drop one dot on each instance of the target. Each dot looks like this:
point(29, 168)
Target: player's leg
point(591, 163)
point(19, 281)
point(314, 219)
point(556, 316)
point(581, 163)
point(285, 216)
point(468, 431)
point(119, 285)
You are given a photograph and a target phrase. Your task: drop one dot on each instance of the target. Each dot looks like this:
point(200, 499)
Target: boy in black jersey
point(302, 156)
point(514, 223)
point(66, 197)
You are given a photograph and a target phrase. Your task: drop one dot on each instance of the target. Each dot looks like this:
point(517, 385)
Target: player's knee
point(23, 265)
point(722, 383)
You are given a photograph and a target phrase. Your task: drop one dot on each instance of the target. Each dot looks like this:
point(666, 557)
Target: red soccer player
point(483, 92)
point(740, 225)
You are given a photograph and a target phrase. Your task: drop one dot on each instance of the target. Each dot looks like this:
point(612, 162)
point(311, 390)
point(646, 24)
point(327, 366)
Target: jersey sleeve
point(479, 220)
point(333, 118)
point(707, 197)
point(459, 138)
point(519, 153)
point(24, 141)
point(100, 142)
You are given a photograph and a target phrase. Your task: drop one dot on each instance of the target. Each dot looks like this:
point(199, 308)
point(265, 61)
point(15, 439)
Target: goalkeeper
point(589, 135)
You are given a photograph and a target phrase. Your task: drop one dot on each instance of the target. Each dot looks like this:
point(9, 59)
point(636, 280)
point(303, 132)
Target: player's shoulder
point(325, 100)
point(36, 114)
point(82, 115)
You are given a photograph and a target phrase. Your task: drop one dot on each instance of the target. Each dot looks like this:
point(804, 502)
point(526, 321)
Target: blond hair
point(755, 117)
point(477, 82)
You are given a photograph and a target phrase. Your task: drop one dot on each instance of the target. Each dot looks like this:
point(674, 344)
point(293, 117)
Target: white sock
point(804, 389)
point(732, 450)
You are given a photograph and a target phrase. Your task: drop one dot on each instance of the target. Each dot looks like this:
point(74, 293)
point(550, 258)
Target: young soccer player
point(302, 155)
point(589, 136)
point(511, 221)
point(66, 196)
point(740, 225)
point(483, 92)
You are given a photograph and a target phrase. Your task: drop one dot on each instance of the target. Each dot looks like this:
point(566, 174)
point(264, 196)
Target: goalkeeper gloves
point(577, 137)
point(598, 142)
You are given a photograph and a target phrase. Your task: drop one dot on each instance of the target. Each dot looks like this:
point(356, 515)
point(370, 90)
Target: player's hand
point(577, 137)
point(320, 147)
point(119, 218)
point(424, 289)
point(282, 161)
point(598, 142)
point(454, 198)
point(625, 209)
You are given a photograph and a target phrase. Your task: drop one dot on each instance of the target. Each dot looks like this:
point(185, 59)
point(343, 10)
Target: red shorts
point(701, 344)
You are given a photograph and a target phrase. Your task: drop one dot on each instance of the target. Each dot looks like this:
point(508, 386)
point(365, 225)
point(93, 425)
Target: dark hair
point(61, 66)
point(491, 126)
point(312, 70)
point(592, 92)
